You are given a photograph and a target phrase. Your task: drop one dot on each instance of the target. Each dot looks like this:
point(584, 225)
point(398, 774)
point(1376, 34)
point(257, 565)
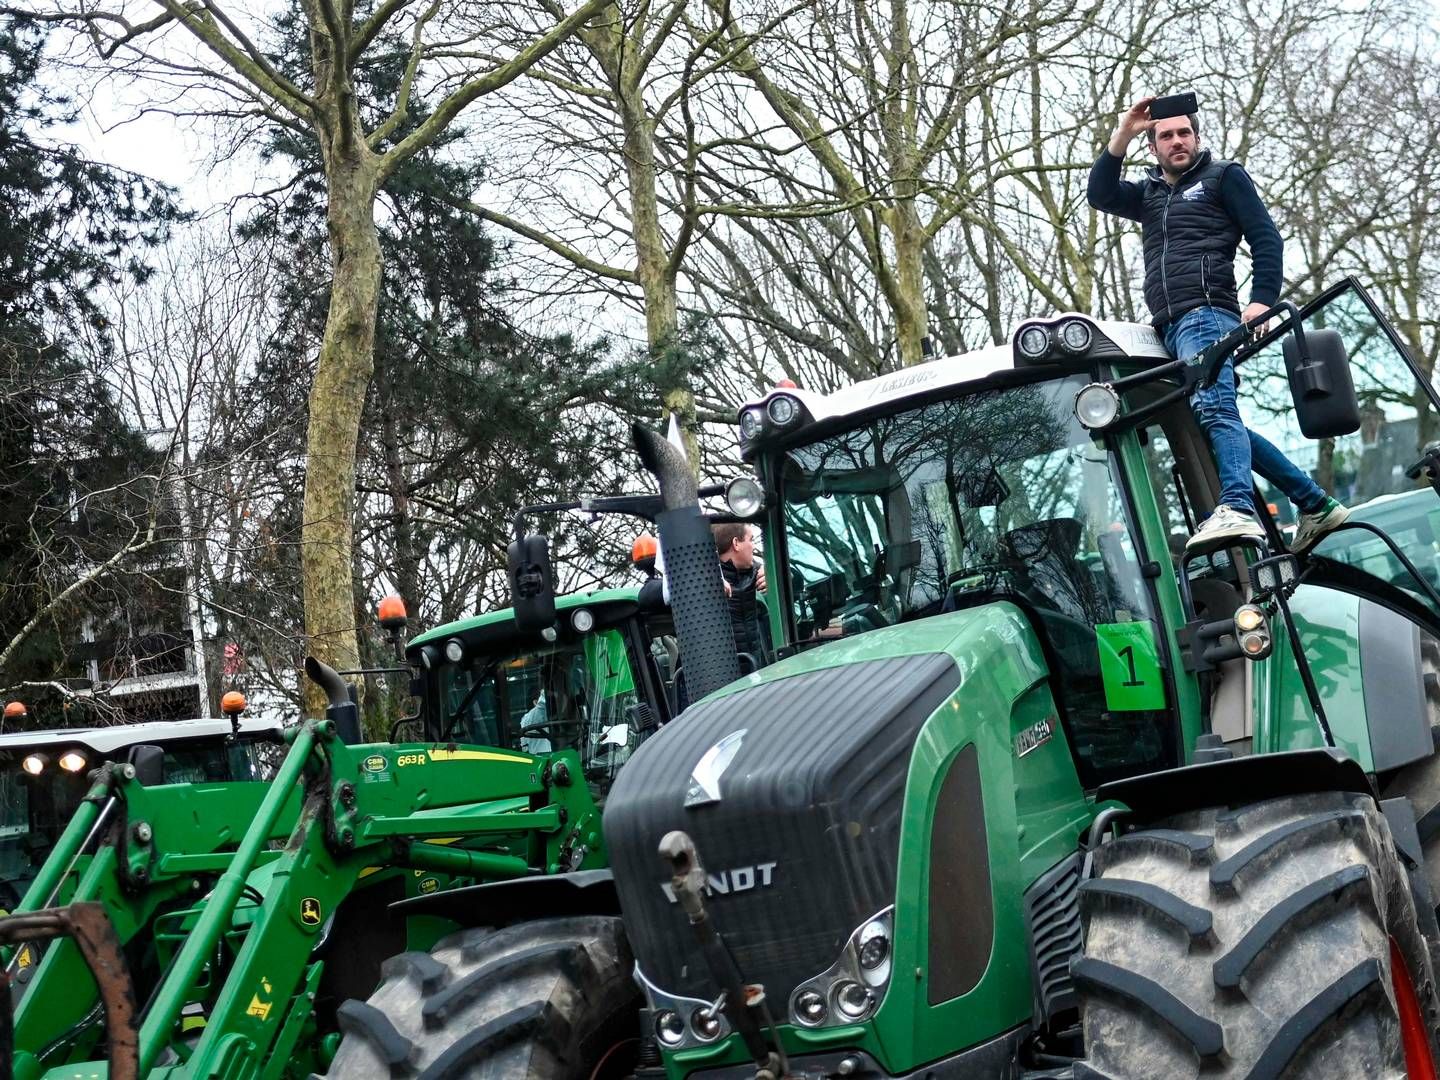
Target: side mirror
point(149, 762)
point(1322, 389)
point(532, 592)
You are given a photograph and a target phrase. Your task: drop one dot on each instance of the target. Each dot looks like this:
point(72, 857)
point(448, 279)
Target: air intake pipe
point(341, 709)
point(692, 569)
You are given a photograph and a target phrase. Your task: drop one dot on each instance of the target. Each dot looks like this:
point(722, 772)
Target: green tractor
point(222, 928)
point(1034, 791)
point(42, 777)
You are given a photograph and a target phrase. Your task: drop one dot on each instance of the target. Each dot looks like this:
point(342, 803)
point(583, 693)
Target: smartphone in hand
point(1163, 108)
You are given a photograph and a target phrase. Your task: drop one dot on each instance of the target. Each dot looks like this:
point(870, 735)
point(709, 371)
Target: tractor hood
point(791, 782)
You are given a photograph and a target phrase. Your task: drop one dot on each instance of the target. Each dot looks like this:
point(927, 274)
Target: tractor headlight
point(851, 989)
point(853, 1001)
point(810, 1008)
point(72, 761)
point(454, 650)
point(582, 620)
point(1075, 336)
point(1252, 632)
point(669, 1028)
point(1034, 342)
point(783, 410)
point(34, 764)
point(681, 1023)
point(751, 421)
point(744, 497)
point(705, 1023)
point(1097, 405)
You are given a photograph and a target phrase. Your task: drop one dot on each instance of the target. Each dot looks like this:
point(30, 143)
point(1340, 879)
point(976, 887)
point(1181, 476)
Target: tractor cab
point(43, 777)
point(1063, 472)
point(598, 681)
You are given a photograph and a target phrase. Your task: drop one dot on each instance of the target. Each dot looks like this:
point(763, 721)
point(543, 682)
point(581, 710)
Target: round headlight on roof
point(1074, 336)
point(1097, 406)
point(454, 650)
point(583, 620)
point(751, 420)
point(72, 761)
point(783, 409)
point(744, 497)
point(1034, 341)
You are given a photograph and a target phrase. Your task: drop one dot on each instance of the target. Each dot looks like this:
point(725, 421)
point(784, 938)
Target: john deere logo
point(310, 911)
point(374, 763)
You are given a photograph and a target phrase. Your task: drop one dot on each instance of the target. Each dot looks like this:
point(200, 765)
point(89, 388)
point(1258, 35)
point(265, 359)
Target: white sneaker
point(1312, 527)
point(1226, 523)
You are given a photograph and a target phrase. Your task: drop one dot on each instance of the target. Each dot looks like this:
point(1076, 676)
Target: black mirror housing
point(149, 763)
point(1322, 388)
point(532, 589)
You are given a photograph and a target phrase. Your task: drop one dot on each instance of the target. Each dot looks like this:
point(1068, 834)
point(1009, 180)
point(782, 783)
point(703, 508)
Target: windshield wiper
point(466, 702)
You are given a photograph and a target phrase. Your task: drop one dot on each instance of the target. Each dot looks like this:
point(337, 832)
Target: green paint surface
point(1130, 666)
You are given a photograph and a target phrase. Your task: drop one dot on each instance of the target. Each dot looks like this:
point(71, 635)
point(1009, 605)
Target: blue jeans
point(1237, 449)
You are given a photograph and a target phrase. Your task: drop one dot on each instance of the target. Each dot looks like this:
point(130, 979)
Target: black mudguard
point(1236, 781)
point(499, 903)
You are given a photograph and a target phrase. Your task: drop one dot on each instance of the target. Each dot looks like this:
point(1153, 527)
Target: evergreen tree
point(67, 227)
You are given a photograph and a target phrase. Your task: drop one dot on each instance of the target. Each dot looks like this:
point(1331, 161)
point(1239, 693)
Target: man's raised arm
point(1106, 191)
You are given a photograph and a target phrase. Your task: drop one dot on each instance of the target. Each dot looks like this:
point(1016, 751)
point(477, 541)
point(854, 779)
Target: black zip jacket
point(1190, 233)
point(746, 621)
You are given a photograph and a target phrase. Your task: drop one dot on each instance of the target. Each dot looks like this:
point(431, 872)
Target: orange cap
point(15, 709)
point(232, 703)
point(392, 611)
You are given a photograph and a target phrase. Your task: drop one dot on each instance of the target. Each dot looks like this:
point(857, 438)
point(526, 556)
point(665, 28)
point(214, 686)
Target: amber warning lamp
point(391, 614)
point(642, 553)
point(15, 711)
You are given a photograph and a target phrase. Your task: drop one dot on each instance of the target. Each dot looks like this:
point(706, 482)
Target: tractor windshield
point(578, 694)
point(995, 495)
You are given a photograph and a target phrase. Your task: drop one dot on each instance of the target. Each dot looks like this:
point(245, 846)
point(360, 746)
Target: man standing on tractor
point(1193, 209)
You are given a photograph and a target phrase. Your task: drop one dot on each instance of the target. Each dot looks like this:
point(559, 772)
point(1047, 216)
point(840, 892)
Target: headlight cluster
point(850, 990)
point(781, 412)
point(1039, 342)
point(70, 761)
point(1252, 632)
point(680, 1023)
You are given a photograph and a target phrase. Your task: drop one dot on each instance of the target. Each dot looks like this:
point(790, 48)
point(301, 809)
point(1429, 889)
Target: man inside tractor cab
point(744, 577)
point(1193, 209)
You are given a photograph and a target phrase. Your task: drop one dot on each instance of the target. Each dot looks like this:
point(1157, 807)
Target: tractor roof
point(108, 740)
point(497, 625)
point(1111, 340)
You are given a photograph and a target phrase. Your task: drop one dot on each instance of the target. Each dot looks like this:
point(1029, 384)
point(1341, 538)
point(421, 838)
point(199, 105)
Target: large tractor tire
point(1274, 940)
point(552, 999)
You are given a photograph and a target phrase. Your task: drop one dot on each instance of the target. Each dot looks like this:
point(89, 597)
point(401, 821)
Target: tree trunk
point(652, 266)
point(909, 304)
point(342, 376)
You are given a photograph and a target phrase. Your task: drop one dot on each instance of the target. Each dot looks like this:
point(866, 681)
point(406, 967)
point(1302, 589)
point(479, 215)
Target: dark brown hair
point(727, 534)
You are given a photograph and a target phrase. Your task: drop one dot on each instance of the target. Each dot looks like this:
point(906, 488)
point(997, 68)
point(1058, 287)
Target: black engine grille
point(815, 789)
